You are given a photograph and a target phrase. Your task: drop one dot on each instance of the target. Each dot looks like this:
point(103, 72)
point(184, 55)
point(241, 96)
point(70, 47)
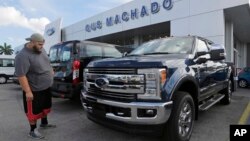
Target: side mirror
point(202, 59)
point(200, 53)
point(217, 52)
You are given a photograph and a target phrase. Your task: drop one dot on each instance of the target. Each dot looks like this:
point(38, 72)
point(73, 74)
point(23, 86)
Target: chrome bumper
point(163, 110)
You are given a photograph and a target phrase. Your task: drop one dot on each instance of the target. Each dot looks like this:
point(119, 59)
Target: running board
point(210, 102)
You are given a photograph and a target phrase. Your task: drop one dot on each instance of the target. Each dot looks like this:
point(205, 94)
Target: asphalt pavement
point(72, 124)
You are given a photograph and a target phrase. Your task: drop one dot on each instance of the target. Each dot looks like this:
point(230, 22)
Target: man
point(35, 75)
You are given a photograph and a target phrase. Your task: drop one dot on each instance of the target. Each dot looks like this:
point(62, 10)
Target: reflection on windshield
point(53, 54)
point(93, 50)
point(60, 52)
point(111, 52)
point(101, 51)
point(175, 45)
point(65, 53)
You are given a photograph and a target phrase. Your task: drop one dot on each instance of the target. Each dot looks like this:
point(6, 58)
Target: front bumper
point(163, 110)
point(62, 89)
point(15, 80)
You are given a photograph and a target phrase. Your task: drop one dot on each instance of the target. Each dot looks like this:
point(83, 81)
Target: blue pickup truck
point(159, 87)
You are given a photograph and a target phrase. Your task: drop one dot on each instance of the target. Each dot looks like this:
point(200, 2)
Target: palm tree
point(6, 49)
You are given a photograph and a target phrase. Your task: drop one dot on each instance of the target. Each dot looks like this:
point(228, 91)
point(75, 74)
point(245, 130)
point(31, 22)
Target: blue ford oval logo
point(50, 31)
point(101, 82)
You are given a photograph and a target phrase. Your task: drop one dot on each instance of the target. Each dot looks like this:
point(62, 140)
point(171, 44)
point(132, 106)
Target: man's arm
point(25, 86)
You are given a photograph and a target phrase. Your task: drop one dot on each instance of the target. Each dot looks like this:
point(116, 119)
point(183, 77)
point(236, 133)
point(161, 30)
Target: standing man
point(35, 75)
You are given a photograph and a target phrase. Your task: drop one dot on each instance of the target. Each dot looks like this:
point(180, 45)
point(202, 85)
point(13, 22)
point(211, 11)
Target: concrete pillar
point(242, 57)
point(245, 55)
point(136, 40)
point(248, 55)
point(229, 41)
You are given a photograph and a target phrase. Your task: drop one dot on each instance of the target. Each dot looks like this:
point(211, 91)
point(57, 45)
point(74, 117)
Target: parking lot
point(72, 124)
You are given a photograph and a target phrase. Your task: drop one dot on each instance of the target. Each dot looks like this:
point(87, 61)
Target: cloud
point(39, 7)
point(13, 17)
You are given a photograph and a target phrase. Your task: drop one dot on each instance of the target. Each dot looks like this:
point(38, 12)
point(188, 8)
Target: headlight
point(154, 79)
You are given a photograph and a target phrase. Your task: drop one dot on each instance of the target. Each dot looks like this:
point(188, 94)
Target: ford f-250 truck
point(159, 87)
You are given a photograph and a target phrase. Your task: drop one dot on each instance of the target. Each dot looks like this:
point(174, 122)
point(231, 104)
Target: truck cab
point(68, 60)
point(159, 87)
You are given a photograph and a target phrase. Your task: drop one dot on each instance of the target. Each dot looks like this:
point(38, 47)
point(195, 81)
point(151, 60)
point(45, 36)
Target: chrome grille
point(111, 95)
point(122, 87)
point(111, 71)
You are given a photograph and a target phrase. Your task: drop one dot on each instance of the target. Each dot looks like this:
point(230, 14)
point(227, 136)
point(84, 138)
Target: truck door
point(205, 69)
point(220, 70)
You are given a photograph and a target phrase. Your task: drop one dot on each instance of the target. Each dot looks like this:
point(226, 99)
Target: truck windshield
point(173, 45)
point(60, 53)
point(95, 50)
point(112, 52)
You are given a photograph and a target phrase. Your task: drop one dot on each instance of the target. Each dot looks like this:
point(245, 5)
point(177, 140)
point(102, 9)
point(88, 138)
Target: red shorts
point(40, 106)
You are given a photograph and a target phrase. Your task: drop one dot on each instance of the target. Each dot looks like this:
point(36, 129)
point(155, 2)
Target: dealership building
point(222, 21)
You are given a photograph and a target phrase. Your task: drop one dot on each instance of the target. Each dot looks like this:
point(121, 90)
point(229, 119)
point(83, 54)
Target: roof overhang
point(240, 17)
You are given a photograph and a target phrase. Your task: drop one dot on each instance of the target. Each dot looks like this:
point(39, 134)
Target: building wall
point(209, 25)
point(204, 14)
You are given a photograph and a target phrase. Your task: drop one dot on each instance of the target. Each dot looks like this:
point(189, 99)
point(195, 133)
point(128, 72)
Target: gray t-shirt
point(36, 67)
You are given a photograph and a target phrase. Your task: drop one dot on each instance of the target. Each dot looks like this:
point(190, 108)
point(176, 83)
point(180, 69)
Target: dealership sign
point(132, 15)
point(50, 31)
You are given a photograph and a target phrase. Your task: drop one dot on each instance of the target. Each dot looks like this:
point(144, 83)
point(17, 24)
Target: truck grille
point(111, 95)
point(111, 71)
point(119, 87)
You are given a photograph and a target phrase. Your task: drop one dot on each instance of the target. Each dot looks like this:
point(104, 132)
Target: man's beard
point(36, 50)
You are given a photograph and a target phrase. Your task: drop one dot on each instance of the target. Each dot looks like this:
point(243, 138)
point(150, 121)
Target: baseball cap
point(35, 37)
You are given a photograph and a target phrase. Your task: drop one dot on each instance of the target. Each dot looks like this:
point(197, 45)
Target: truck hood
point(144, 61)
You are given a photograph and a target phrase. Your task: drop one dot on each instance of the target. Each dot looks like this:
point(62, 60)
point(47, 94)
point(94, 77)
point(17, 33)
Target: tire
point(179, 126)
point(3, 79)
point(228, 93)
point(242, 83)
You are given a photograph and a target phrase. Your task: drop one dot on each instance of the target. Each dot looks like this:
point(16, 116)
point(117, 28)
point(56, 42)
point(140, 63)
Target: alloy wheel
point(185, 120)
point(2, 80)
point(243, 83)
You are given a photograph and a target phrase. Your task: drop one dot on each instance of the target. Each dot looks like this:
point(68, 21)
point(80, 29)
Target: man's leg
point(47, 103)
point(32, 125)
point(29, 108)
point(44, 123)
point(44, 120)
point(34, 133)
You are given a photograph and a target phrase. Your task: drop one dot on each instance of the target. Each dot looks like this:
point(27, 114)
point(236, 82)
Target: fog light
point(149, 112)
point(146, 113)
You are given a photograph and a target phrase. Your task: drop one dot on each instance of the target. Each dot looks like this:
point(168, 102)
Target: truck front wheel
point(3, 79)
point(180, 124)
point(228, 93)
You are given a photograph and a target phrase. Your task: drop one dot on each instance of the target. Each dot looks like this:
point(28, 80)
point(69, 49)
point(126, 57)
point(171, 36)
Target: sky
point(20, 18)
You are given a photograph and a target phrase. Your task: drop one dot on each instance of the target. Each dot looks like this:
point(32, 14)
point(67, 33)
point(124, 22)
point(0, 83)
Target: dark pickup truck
point(68, 60)
point(159, 87)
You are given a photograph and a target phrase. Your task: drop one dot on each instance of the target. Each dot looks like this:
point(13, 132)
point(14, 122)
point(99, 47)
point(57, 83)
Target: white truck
point(7, 67)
